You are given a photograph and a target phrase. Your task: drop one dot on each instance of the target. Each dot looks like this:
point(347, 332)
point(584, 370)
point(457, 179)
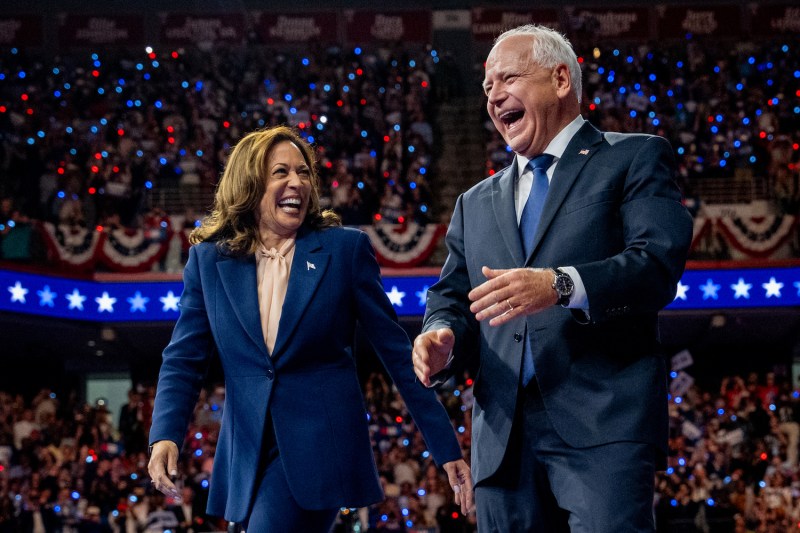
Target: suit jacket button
point(270, 374)
point(517, 337)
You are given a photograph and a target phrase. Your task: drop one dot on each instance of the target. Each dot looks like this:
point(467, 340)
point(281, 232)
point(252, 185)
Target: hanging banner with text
point(488, 23)
point(774, 19)
point(675, 22)
point(88, 31)
point(180, 29)
point(25, 30)
point(617, 23)
point(405, 26)
point(318, 27)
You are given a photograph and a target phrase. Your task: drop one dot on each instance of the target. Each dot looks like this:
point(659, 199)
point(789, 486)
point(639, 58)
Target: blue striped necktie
point(528, 223)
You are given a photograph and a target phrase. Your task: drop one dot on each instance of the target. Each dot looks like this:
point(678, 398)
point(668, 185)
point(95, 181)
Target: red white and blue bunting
point(125, 250)
point(758, 237)
point(404, 245)
point(396, 245)
point(748, 237)
point(71, 247)
point(79, 249)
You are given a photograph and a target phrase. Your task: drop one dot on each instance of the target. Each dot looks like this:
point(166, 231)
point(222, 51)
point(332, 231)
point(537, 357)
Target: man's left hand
point(509, 293)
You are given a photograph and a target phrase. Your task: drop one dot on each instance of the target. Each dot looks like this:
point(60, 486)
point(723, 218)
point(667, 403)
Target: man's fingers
point(421, 359)
point(493, 291)
point(430, 352)
point(512, 312)
point(492, 273)
point(488, 307)
point(491, 284)
point(446, 338)
point(421, 369)
point(484, 289)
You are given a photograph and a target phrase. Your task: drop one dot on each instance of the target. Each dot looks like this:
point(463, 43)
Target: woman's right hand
point(163, 467)
point(460, 478)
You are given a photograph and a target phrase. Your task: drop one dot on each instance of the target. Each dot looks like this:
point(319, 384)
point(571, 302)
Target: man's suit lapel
point(238, 276)
point(308, 267)
point(578, 152)
point(505, 211)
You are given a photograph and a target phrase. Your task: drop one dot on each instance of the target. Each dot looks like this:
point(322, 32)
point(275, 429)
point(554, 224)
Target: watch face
point(564, 284)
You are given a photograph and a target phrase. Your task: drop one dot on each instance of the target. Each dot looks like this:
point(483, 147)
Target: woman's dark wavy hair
point(232, 222)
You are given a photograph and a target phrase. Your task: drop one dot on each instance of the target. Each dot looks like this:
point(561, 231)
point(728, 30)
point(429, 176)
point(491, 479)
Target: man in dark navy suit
point(557, 268)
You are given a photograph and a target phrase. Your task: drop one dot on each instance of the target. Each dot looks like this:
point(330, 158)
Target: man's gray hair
point(549, 48)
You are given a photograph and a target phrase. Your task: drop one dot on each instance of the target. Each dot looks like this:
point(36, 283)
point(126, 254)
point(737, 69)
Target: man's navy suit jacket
point(613, 212)
point(309, 383)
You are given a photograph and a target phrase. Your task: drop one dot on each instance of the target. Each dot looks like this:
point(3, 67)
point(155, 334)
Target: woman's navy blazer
point(308, 385)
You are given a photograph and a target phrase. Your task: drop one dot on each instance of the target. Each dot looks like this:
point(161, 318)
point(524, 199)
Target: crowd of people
point(99, 138)
point(733, 461)
point(71, 466)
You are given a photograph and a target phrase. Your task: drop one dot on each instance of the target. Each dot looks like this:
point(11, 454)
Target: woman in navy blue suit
point(275, 287)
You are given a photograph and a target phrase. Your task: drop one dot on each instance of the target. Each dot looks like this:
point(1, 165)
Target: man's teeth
point(511, 116)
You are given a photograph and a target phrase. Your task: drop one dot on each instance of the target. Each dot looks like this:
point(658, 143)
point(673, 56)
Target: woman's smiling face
point(285, 202)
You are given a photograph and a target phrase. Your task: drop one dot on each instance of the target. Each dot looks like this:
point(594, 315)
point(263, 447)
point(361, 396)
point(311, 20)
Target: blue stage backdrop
point(147, 301)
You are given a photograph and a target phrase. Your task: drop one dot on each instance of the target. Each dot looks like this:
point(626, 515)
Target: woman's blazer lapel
point(308, 267)
point(238, 277)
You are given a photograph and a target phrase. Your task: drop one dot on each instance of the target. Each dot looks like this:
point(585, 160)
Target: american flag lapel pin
point(585, 151)
point(310, 266)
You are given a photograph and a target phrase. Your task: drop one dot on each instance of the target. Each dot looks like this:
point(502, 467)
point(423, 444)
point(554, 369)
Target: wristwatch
point(563, 285)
